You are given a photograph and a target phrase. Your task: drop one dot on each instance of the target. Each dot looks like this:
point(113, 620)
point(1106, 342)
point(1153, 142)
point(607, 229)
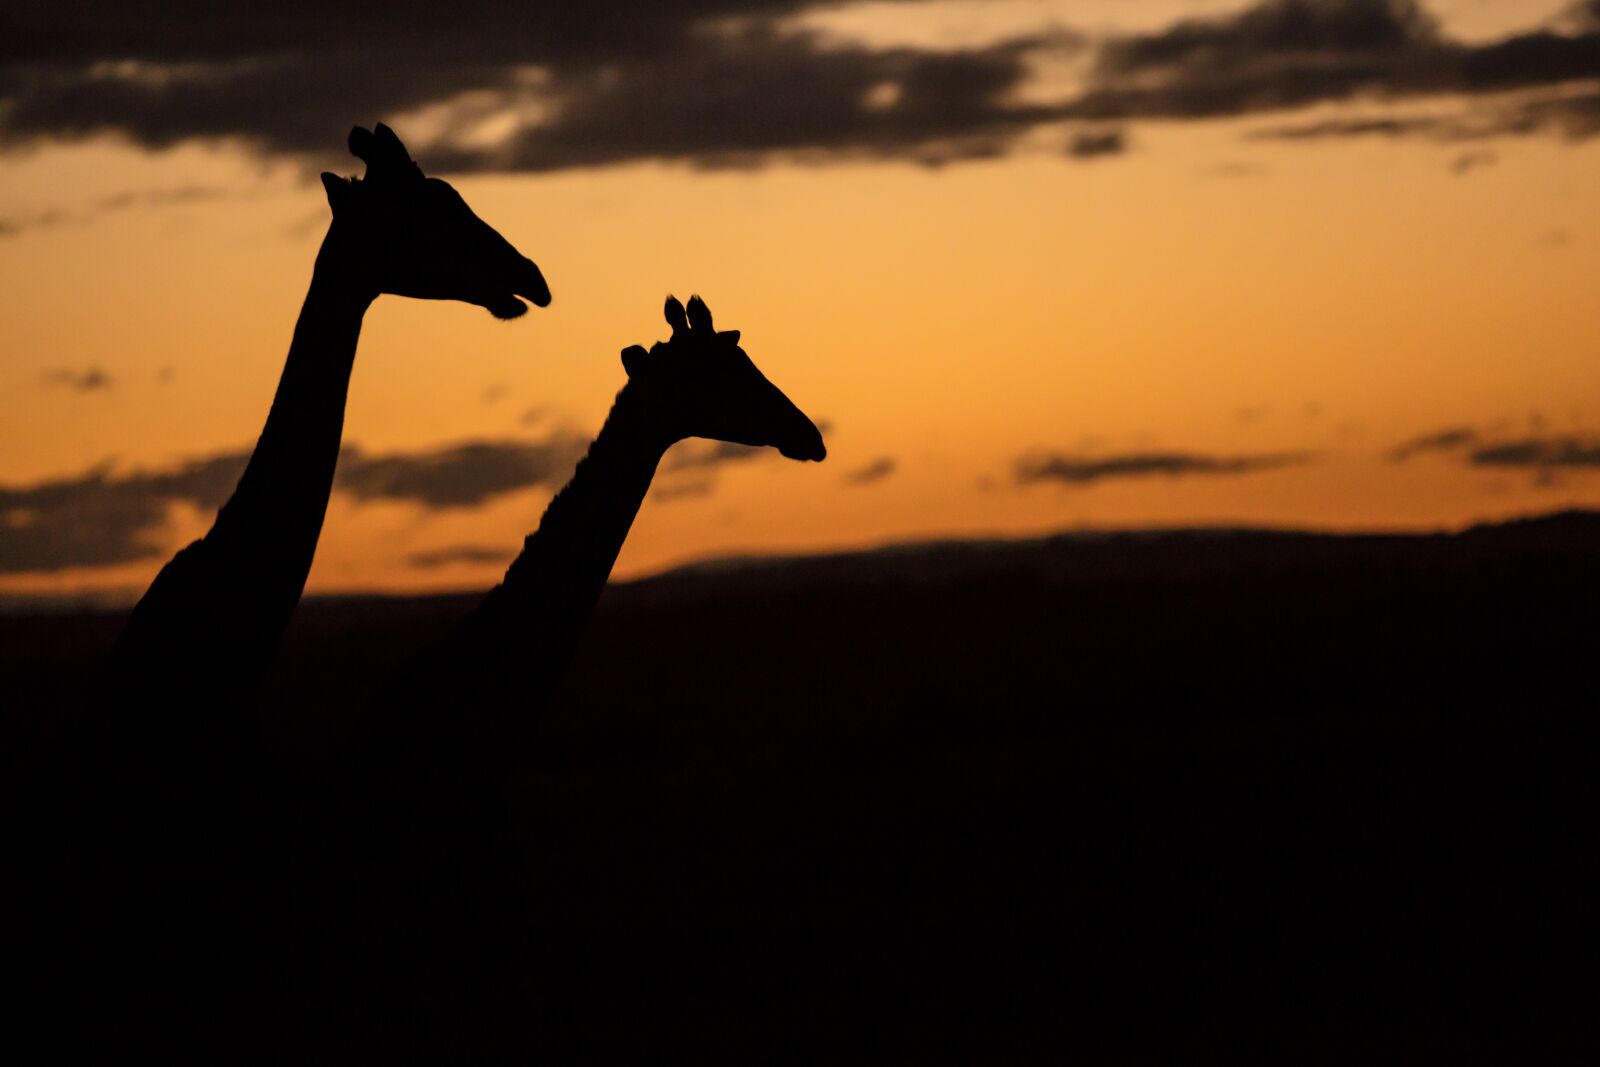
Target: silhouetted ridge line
point(1072, 552)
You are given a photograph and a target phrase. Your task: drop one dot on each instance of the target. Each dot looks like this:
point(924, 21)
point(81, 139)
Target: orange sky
point(1202, 293)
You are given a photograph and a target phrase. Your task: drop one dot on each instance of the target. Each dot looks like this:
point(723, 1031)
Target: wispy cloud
point(696, 454)
point(1542, 454)
point(88, 380)
point(1093, 144)
point(434, 558)
point(132, 198)
point(1467, 162)
point(102, 517)
point(465, 475)
point(16, 225)
point(1539, 453)
point(876, 471)
point(1087, 470)
point(691, 488)
point(183, 194)
point(1452, 439)
point(690, 468)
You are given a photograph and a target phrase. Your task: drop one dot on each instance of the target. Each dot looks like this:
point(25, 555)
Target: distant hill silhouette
point(1181, 794)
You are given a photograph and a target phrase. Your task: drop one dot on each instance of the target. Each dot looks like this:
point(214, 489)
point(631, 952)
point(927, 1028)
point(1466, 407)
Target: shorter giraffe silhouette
point(699, 383)
point(509, 654)
point(431, 758)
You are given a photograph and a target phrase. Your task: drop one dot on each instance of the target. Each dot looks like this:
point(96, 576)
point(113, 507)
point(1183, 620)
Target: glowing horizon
point(1201, 295)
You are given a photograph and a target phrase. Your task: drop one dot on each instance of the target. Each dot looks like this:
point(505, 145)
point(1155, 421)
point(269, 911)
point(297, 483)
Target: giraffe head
point(414, 236)
point(701, 384)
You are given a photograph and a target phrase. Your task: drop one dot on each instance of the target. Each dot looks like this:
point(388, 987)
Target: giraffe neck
point(506, 661)
point(215, 613)
point(273, 521)
point(571, 554)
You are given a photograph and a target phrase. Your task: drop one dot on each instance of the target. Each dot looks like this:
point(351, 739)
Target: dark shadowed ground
point(1195, 796)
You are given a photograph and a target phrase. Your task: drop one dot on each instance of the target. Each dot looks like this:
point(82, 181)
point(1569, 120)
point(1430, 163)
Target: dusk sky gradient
point(1037, 265)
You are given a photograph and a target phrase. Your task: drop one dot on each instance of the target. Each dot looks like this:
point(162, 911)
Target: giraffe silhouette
point(432, 844)
point(212, 619)
point(699, 383)
point(150, 875)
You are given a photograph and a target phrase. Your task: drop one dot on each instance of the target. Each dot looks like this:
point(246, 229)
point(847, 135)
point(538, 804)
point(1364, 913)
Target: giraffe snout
point(531, 284)
point(806, 446)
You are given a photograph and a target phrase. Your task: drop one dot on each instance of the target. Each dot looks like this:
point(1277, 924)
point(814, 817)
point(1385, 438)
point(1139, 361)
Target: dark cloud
point(432, 559)
point(199, 31)
point(183, 194)
point(1545, 455)
point(736, 99)
point(1085, 470)
point(1326, 129)
point(1539, 453)
point(1282, 54)
point(101, 518)
point(1572, 115)
point(1467, 162)
point(695, 454)
point(88, 380)
point(1091, 144)
point(1276, 54)
point(689, 469)
point(17, 225)
point(1235, 170)
point(1540, 58)
point(1275, 28)
point(1575, 116)
point(876, 471)
point(1449, 440)
point(713, 82)
point(459, 476)
point(11, 227)
point(691, 488)
point(698, 454)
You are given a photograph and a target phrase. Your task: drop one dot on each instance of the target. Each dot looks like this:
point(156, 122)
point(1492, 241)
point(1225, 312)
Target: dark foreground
point(1146, 797)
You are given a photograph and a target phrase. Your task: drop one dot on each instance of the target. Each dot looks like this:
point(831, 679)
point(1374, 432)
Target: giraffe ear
point(392, 147)
point(361, 144)
point(675, 316)
point(338, 191)
point(382, 152)
point(633, 359)
point(699, 315)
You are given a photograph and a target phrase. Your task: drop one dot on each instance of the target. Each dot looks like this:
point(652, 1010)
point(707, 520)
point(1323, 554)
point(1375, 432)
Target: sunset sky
point(1036, 265)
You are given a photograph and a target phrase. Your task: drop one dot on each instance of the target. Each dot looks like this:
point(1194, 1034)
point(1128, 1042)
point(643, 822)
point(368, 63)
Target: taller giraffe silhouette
point(211, 620)
point(429, 762)
point(152, 872)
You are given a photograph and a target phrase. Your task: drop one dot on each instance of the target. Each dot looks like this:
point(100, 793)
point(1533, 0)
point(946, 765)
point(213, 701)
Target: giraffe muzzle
point(532, 285)
point(807, 447)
